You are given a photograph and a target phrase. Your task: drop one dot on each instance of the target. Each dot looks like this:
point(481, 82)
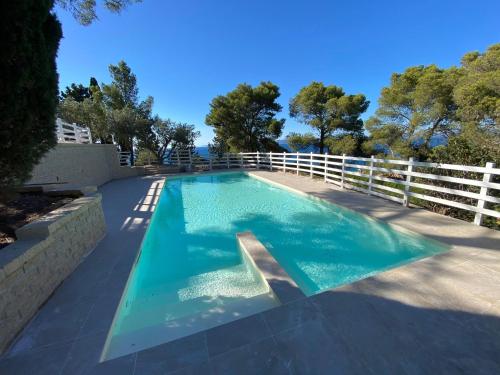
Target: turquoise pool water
point(190, 274)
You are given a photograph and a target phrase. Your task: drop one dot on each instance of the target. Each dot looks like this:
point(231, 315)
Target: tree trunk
point(131, 151)
point(321, 141)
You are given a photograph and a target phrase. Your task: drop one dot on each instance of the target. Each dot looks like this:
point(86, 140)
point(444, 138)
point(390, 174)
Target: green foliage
point(123, 90)
point(244, 119)
point(129, 119)
point(115, 114)
point(417, 105)
point(349, 144)
point(477, 93)
point(218, 147)
point(84, 10)
point(90, 112)
point(145, 157)
point(462, 104)
point(328, 110)
point(386, 137)
point(166, 136)
point(28, 98)
point(77, 92)
point(473, 146)
point(299, 142)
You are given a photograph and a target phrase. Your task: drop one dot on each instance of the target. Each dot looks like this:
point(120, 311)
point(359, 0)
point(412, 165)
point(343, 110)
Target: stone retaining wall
point(45, 253)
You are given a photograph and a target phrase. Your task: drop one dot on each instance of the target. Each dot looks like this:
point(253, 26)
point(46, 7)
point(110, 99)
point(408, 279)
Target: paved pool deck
point(438, 315)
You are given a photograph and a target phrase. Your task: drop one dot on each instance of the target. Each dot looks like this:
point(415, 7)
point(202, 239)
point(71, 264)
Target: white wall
point(81, 165)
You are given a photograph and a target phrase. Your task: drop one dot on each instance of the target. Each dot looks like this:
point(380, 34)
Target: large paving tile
point(45, 361)
point(172, 356)
point(101, 315)
point(314, 348)
point(53, 324)
point(291, 315)
point(235, 334)
point(259, 357)
point(119, 366)
point(84, 354)
point(202, 368)
point(378, 344)
point(391, 336)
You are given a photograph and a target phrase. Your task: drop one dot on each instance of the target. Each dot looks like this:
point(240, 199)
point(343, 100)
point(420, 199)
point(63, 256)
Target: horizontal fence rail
point(124, 157)
point(72, 133)
point(395, 180)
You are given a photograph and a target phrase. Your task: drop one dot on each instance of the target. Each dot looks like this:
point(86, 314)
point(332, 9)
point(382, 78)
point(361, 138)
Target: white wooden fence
point(124, 157)
point(72, 133)
point(408, 178)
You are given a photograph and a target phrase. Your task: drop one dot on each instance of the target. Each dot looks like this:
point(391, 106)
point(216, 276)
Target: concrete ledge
point(278, 279)
point(45, 253)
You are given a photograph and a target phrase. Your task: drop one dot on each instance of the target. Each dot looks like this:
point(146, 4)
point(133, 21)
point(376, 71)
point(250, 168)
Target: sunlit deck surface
point(438, 315)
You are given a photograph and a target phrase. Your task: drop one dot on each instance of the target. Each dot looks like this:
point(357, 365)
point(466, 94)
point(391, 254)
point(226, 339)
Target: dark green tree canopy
point(328, 110)
point(166, 136)
point(300, 142)
point(417, 105)
point(477, 93)
point(77, 92)
point(28, 86)
point(91, 112)
point(244, 119)
point(84, 11)
point(218, 147)
point(123, 90)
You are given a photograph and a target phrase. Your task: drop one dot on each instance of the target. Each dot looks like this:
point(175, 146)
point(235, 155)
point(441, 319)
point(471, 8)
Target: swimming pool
point(190, 274)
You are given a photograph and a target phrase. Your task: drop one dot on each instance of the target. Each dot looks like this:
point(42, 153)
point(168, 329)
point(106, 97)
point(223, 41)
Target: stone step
point(160, 169)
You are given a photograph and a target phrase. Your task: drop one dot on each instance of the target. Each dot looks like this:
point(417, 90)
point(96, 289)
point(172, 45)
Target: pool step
point(205, 292)
point(160, 169)
point(151, 335)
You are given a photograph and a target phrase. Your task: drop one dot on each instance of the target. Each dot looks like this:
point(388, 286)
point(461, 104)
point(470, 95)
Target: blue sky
point(186, 52)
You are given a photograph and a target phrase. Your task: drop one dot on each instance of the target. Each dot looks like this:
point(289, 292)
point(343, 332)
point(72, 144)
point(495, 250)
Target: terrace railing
point(72, 133)
point(463, 187)
point(124, 157)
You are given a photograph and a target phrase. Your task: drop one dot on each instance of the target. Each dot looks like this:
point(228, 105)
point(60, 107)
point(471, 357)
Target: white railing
point(72, 133)
point(396, 180)
point(124, 157)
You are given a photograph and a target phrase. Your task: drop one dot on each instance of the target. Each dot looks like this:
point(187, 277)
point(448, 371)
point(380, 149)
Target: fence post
point(311, 165)
point(258, 160)
point(271, 161)
point(178, 158)
point(241, 160)
point(406, 198)
point(284, 167)
point(190, 160)
point(210, 161)
point(370, 176)
point(478, 219)
point(297, 161)
point(324, 167)
point(227, 160)
point(343, 172)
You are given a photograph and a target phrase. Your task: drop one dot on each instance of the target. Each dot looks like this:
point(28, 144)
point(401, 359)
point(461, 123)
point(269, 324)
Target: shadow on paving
point(334, 332)
point(83, 306)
